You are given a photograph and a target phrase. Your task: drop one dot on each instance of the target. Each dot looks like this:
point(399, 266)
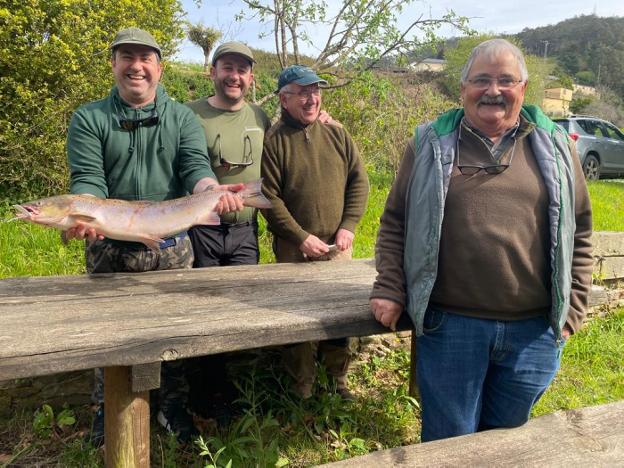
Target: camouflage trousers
point(109, 256)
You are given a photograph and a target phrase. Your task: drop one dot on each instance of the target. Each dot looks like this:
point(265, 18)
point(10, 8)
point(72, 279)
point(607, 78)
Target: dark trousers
point(223, 245)
point(226, 244)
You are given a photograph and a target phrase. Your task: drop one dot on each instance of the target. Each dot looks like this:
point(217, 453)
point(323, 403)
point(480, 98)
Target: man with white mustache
point(485, 244)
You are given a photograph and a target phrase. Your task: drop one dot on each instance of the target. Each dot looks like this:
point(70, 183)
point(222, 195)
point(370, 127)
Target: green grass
point(29, 250)
point(592, 367)
point(607, 199)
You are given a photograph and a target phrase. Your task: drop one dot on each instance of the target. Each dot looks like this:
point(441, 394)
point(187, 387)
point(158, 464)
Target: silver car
point(599, 143)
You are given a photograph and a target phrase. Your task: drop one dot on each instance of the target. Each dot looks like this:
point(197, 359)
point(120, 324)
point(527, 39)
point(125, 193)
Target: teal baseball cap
point(298, 74)
point(135, 36)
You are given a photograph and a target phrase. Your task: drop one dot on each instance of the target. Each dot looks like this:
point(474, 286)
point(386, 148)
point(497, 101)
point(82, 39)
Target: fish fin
point(210, 218)
point(81, 218)
point(152, 242)
point(253, 196)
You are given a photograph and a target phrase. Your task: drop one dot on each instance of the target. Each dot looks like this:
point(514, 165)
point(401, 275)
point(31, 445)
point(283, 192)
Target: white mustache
point(492, 100)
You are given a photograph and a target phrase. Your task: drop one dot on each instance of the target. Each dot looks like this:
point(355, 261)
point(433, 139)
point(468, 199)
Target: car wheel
point(591, 168)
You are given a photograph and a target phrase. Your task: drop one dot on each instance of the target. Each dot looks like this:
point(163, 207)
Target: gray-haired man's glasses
point(304, 95)
point(247, 157)
point(484, 82)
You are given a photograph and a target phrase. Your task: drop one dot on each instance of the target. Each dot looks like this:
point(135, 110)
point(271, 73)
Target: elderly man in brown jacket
point(318, 187)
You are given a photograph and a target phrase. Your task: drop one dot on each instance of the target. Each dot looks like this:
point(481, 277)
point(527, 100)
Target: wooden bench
point(591, 436)
point(130, 323)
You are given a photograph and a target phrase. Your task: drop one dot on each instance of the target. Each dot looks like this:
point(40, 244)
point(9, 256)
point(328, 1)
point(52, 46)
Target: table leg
point(126, 420)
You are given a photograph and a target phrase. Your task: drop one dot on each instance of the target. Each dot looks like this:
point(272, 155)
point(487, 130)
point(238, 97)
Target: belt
point(171, 241)
point(228, 226)
point(168, 242)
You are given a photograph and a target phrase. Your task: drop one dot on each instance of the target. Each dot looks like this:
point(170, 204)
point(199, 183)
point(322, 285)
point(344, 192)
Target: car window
point(592, 127)
point(565, 124)
point(611, 131)
point(586, 125)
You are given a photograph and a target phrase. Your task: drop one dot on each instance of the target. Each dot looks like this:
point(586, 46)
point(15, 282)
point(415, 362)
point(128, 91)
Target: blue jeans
point(476, 374)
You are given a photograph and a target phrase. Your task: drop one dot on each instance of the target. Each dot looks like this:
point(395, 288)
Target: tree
point(358, 33)
point(204, 37)
point(606, 105)
point(55, 56)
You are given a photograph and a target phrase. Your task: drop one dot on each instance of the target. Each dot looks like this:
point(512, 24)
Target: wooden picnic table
point(129, 323)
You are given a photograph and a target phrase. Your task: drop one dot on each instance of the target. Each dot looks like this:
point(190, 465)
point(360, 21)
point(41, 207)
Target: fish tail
point(253, 196)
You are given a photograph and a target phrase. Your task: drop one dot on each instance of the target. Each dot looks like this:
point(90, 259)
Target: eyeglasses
point(133, 124)
point(484, 82)
point(305, 94)
point(247, 156)
point(492, 169)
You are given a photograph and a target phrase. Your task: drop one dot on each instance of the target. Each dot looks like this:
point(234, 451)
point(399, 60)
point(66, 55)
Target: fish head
point(52, 211)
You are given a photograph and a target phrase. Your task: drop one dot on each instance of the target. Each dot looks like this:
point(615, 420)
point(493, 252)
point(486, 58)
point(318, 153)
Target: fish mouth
point(25, 211)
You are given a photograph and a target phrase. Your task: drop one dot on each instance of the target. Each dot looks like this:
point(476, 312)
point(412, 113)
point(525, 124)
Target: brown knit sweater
point(494, 249)
point(315, 180)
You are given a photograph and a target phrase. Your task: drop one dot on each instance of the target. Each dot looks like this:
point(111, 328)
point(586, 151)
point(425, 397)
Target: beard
point(221, 89)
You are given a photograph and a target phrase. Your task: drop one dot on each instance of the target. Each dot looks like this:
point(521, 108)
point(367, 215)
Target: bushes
point(381, 114)
point(53, 57)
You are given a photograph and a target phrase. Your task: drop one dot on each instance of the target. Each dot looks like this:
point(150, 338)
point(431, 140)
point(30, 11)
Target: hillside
point(589, 48)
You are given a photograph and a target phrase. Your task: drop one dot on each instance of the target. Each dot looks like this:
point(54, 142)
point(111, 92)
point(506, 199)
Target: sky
point(506, 16)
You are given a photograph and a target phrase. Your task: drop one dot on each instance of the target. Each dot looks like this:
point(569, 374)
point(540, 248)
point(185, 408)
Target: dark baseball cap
point(233, 47)
point(135, 36)
point(298, 74)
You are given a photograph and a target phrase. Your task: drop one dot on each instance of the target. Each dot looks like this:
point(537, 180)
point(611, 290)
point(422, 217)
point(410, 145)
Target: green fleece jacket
point(157, 162)
point(315, 179)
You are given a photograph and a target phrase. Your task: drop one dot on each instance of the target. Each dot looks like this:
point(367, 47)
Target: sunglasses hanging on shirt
point(247, 157)
point(133, 124)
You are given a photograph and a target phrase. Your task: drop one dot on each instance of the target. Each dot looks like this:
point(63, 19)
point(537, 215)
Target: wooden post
point(126, 421)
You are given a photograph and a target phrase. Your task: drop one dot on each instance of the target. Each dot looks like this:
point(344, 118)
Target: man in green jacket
point(318, 187)
point(138, 144)
point(485, 243)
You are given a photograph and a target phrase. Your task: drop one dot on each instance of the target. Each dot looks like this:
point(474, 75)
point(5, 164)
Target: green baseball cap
point(298, 74)
point(233, 47)
point(135, 36)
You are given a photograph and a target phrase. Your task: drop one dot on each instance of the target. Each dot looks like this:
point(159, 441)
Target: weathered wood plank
point(130, 319)
point(607, 243)
point(591, 436)
point(145, 377)
point(609, 267)
point(57, 324)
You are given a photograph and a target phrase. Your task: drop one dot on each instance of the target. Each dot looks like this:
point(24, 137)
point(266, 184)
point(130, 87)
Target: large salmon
point(138, 221)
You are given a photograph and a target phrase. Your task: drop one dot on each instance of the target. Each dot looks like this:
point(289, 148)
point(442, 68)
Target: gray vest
point(436, 146)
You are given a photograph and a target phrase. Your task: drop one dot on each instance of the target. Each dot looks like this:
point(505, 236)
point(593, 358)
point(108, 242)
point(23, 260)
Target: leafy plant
point(45, 424)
